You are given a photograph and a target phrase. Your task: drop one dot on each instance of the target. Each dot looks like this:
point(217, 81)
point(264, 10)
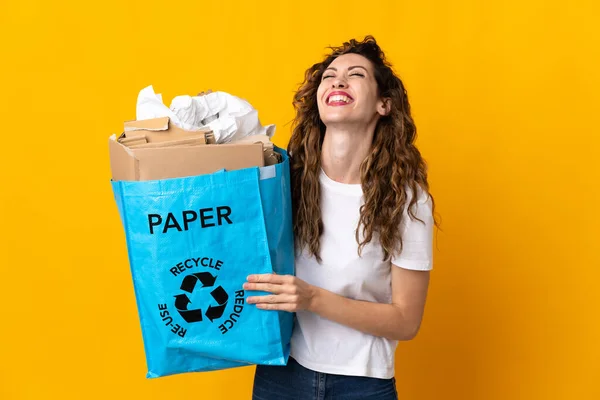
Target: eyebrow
point(349, 68)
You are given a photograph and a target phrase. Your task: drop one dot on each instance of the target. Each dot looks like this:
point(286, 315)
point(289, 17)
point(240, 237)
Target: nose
point(338, 82)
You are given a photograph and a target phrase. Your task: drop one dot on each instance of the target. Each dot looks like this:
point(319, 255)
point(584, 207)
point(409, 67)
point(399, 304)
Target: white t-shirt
point(326, 346)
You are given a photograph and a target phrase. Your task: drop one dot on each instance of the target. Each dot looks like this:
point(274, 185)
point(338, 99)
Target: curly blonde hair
point(392, 164)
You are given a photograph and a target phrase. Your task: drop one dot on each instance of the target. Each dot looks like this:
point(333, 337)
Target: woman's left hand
point(289, 293)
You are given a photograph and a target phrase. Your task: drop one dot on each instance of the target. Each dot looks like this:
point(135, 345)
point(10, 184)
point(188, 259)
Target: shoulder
point(417, 233)
point(423, 207)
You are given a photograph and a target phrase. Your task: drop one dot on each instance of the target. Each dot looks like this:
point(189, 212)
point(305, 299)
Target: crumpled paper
point(229, 117)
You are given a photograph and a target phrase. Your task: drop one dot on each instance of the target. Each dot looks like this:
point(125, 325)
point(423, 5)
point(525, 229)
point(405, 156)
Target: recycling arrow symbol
point(188, 284)
point(181, 303)
point(221, 298)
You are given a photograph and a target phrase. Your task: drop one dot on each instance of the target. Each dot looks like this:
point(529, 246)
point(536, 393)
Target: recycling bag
point(191, 244)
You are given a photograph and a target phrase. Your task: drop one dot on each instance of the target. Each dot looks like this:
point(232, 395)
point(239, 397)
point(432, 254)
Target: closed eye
point(353, 74)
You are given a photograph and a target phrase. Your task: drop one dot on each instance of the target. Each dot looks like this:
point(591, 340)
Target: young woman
point(363, 223)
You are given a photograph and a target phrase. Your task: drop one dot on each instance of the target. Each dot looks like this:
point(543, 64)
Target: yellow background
point(505, 95)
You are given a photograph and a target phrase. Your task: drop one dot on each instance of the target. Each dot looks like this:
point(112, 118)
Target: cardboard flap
point(123, 163)
point(155, 124)
point(130, 141)
point(191, 141)
point(159, 130)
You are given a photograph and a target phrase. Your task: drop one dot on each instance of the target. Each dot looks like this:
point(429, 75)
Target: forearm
point(398, 321)
point(378, 319)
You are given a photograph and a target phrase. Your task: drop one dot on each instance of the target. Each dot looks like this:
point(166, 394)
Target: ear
point(384, 106)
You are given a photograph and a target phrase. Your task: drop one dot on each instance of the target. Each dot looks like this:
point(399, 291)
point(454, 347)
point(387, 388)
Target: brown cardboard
point(189, 141)
point(123, 164)
point(158, 130)
point(270, 156)
point(133, 141)
point(173, 162)
point(154, 124)
point(157, 149)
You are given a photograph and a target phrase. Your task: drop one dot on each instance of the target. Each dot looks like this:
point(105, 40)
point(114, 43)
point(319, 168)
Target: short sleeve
point(417, 237)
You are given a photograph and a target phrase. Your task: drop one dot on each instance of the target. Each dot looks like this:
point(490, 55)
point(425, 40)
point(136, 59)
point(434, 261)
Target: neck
point(343, 151)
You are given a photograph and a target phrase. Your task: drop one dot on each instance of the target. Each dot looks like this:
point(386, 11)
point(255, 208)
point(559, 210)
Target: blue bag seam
point(281, 357)
point(284, 168)
point(267, 252)
point(149, 358)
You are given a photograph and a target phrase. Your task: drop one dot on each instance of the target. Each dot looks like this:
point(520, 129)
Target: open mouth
point(339, 99)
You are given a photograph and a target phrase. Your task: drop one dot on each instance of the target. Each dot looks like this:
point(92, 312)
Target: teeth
point(345, 99)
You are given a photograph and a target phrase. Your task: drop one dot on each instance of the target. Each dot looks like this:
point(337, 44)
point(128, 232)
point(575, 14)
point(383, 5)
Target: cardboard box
point(182, 153)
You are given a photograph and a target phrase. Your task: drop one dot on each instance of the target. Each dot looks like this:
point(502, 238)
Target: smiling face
point(348, 92)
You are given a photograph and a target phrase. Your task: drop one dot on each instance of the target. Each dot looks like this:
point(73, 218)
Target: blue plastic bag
point(191, 244)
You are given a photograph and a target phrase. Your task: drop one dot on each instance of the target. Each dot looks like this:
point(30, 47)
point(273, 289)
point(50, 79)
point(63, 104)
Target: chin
point(338, 120)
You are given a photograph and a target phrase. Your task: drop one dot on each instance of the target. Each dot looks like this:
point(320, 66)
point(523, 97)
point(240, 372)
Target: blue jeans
point(294, 382)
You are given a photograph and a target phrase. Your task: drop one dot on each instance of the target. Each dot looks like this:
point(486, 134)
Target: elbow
point(406, 336)
point(407, 325)
point(407, 332)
